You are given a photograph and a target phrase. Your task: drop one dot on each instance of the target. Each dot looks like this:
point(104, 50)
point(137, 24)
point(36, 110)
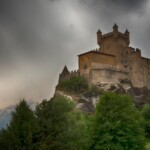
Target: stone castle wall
point(107, 75)
point(68, 75)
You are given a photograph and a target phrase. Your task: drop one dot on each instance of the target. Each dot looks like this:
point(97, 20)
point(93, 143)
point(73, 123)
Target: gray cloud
point(37, 38)
point(121, 4)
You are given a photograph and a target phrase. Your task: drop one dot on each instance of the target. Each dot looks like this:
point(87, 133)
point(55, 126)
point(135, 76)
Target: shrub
point(74, 84)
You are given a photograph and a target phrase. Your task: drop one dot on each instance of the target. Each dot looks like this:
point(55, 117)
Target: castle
point(113, 62)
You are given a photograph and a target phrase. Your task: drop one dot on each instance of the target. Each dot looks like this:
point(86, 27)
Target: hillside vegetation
point(57, 124)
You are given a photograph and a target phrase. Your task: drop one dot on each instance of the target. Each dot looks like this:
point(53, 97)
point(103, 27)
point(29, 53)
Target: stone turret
point(126, 32)
point(115, 27)
point(99, 36)
point(127, 35)
point(65, 72)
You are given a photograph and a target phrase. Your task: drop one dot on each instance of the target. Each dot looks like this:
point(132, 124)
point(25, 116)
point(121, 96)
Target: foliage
point(116, 125)
point(74, 84)
point(57, 125)
point(147, 146)
point(146, 115)
point(20, 132)
point(60, 127)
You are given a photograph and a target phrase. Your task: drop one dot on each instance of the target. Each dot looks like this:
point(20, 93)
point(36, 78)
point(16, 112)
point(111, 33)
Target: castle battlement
point(115, 34)
point(74, 72)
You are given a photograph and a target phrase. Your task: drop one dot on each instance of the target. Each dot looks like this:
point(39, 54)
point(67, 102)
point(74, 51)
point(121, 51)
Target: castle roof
point(99, 31)
point(97, 52)
point(115, 26)
point(65, 70)
point(126, 31)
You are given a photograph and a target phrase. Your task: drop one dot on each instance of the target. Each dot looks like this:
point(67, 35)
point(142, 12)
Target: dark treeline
point(56, 124)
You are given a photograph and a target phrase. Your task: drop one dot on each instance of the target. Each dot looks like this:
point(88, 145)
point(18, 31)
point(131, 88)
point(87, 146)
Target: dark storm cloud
point(20, 18)
point(115, 9)
point(126, 4)
point(122, 4)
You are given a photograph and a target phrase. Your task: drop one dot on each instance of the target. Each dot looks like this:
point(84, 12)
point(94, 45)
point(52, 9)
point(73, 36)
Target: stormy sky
point(39, 37)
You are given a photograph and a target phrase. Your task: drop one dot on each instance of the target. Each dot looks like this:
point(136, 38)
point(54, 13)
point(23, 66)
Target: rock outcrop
point(86, 101)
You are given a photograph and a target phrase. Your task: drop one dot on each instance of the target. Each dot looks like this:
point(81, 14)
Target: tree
point(146, 115)
point(60, 126)
point(117, 124)
point(19, 134)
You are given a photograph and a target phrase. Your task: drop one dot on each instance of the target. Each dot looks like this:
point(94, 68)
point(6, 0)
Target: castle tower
point(99, 36)
point(127, 34)
point(114, 43)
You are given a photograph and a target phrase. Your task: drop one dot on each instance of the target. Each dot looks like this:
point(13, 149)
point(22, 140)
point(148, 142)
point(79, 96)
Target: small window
point(85, 66)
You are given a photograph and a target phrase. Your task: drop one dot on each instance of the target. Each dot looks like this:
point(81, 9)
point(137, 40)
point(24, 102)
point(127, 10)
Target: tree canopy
point(19, 134)
point(56, 124)
point(116, 124)
point(60, 125)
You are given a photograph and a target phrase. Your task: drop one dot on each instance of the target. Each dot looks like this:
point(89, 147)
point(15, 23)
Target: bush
point(74, 84)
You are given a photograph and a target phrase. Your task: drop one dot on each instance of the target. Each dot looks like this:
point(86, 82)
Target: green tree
point(117, 124)
point(19, 134)
point(60, 126)
point(146, 115)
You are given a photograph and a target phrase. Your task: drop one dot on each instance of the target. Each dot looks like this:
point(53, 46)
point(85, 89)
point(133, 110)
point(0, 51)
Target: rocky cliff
point(86, 99)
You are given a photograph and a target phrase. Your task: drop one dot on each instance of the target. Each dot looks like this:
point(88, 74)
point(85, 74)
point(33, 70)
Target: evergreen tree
point(19, 134)
point(117, 124)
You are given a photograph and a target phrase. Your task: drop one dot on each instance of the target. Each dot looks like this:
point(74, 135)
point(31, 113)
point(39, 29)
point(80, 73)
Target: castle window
point(85, 66)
